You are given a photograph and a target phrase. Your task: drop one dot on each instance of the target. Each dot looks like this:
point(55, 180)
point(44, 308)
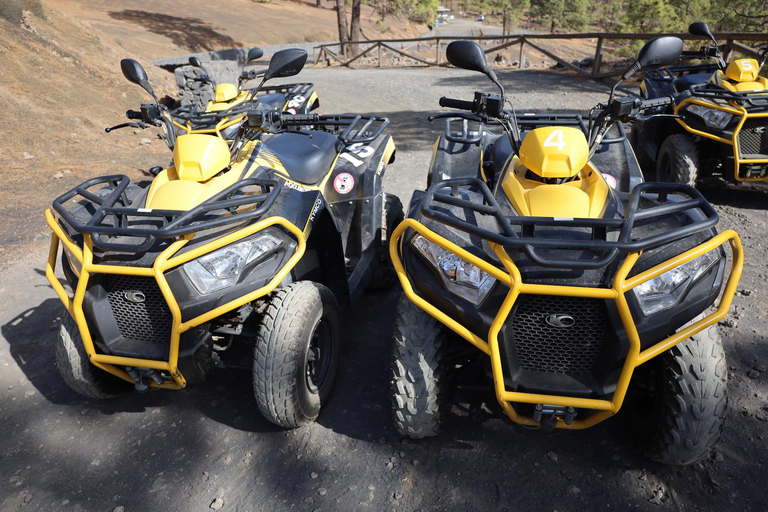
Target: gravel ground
point(208, 448)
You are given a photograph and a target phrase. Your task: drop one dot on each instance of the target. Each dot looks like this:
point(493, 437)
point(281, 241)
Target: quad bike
point(241, 250)
point(716, 125)
point(579, 294)
point(231, 102)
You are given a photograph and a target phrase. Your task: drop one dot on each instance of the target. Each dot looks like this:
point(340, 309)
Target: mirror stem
point(490, 74)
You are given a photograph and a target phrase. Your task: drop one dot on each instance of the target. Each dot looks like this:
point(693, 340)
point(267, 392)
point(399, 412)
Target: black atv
point(716, 125)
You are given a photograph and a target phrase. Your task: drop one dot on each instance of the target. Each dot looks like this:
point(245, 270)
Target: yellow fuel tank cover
point(226, 92)
point(198, 157)
point(742, 70)
point(554, 151)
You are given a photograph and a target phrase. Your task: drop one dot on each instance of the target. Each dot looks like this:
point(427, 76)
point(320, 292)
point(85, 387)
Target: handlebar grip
point(460, 104)
point(133, 114)
point(300, 118)
point(657, 102)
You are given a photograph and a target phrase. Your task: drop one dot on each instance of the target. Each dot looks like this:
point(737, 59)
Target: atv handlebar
point(459, 104)
point(133, 114)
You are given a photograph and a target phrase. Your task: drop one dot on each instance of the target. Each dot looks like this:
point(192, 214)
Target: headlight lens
point(711, 116)
point(663, 291)
point(459, 276)
point(221, 268)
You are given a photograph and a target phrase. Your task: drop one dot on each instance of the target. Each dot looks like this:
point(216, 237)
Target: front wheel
point(296, 353)
point(678, 160)
point(683, 412)
point(76, 369)
point(418, 383)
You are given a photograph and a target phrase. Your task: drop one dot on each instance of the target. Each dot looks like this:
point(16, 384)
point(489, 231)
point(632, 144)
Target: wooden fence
point(348, 53)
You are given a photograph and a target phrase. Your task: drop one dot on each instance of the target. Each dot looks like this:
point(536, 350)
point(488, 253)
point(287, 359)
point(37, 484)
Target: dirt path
point(186, 450)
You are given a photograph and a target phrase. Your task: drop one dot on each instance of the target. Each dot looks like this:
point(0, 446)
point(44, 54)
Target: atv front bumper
point(510, 277)
point(168, 260)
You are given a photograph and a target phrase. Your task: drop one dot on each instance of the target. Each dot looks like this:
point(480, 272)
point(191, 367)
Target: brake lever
point(654, 116)
point(141, 125)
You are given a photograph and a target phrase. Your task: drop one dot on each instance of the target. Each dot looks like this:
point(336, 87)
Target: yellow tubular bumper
point(735, 110)
point(166, 261)
point(621, 285)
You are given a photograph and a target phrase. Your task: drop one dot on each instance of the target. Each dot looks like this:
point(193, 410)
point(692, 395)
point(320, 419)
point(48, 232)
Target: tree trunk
point(341, 18)
point(354, 29)
point(319, 4)
point(504, 22)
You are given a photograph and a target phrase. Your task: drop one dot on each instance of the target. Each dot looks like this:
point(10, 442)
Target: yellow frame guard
point(621, 285)
point(735, 110)
point(163, 263)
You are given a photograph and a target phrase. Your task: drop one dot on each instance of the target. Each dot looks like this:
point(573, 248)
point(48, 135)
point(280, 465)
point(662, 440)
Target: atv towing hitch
point(547, 415)
point(140, 376)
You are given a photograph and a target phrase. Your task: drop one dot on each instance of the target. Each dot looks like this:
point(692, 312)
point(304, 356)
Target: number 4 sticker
point(555, 139)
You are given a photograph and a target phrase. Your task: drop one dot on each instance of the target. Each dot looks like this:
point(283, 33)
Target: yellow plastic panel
point(555, 151)
point(198, 157)
point(225, 92)
point(742, 70)
point(558, 201)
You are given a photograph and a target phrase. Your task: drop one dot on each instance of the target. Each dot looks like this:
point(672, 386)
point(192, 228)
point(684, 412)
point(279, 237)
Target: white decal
point(351, 159)
point(318, 204)
point(296, 102)
point(746, 65)
point(359, 150)
point(344, 183)
point(555, 139)
point(290, 184)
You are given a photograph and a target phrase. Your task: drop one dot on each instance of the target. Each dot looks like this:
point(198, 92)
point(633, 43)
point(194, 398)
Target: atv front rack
point(523, 233)
point(710, 91)
point(669, 73)
point(114, 217)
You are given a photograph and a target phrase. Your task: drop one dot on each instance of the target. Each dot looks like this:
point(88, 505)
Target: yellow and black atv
point(231, 102)
point(717, 123)
point(521, 261)
point(243, 248)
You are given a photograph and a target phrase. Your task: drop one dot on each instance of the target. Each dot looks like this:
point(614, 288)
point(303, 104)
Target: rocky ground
point(208, 448)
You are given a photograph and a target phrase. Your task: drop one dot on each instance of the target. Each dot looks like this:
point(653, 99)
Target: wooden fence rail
point(347, 53)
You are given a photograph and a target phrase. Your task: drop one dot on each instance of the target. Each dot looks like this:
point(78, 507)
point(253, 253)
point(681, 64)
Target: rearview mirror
point(133, 71)
point(700, 28)
point(286, 63)
point(660, 51)
point(254, 54)
point(466, 55)
point(194, 61)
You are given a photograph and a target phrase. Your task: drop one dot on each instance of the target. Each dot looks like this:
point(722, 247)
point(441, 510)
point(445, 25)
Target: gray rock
point(313, 475)
point(553, 456)
point(322, 491)
point(216, 504)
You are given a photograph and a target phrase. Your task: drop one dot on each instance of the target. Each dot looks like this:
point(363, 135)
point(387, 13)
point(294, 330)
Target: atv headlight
point(459, 276)
point(663, 291)
point(712, 116)
point(221, 268)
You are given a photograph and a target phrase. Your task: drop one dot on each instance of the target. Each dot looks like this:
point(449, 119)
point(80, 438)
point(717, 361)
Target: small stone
point(119, 509)
point(719, 457)
point(553, 456)
point(397, 495)
point(573, 490)
point(753, 374)
point(760, 368)
point(415, 463)
point(402, 455)
point(137, 131)
point(58, 176)
point(28, 156)
point(84, 411)
point(745, 292)
point(313, 475)
point(371, 487)
point(145, 142)
point(64, 503)
point(27, 498)
point(389, 465)
point(66, 171)
point(322, 491)
point(759, 417)
point(216, 504)
point(15, 479)
point(727, 322)
point(615, 457)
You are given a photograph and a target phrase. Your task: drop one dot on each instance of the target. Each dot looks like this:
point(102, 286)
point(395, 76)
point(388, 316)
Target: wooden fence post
point(598, 57)
point(437, 52)
point(522, 53)
point(379, 45)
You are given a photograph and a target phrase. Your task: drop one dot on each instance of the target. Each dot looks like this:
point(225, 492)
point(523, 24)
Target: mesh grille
point(543, 347)
point(148, 321)
point(752, 142)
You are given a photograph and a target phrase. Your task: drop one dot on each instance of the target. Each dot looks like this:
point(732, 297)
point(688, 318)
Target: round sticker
point(344, 183)
point(610, 180)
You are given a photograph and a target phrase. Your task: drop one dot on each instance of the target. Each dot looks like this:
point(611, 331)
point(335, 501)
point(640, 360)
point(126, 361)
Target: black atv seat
point(306, 160)
point(685, 82)
point(271, 101)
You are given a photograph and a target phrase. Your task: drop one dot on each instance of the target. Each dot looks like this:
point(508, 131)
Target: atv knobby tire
point(646, 164)
point(418, 384)
point(76, 369)
point(678, 160)
point(690, 404)
point(299, 316)
point(385, 276)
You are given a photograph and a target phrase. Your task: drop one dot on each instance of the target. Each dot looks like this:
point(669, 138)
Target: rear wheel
point(296, 354)
point(76, 369)
point(678, 160)
point(385, 276)
point(679, 416)
point(418, 383)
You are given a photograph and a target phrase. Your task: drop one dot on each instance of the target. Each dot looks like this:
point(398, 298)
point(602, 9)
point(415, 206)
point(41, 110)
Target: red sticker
point(344, 183)
point(610, 180)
